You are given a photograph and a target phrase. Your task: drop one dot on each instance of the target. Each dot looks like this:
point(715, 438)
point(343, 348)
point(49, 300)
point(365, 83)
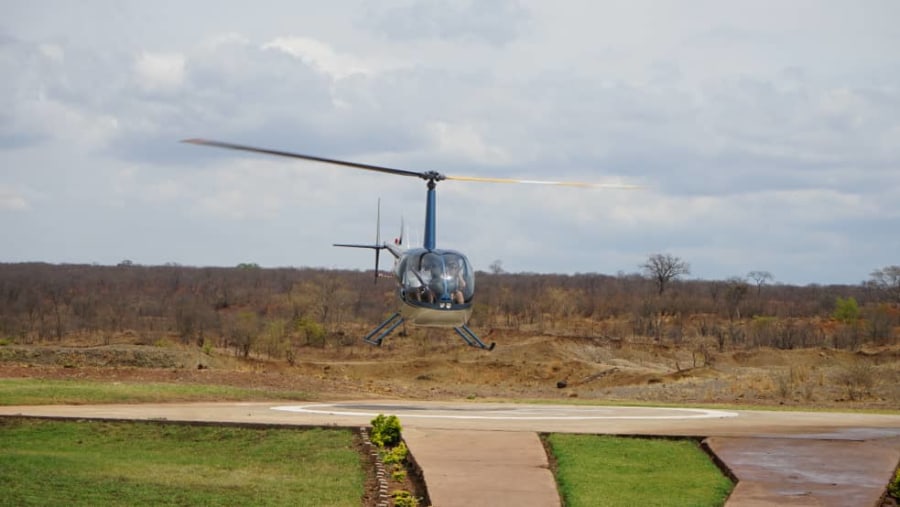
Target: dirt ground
point(527, 367)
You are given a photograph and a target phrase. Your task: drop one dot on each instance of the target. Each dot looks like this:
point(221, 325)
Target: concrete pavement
point(465, 468)
point(812, 471)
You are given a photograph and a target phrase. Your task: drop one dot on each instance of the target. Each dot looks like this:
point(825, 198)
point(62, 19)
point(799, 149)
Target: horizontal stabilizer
point(373, 247)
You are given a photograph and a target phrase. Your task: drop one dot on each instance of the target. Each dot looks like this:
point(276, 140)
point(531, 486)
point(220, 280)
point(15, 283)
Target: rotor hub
point(433, 176)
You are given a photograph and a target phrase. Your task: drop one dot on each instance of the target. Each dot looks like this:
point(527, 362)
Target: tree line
point(276, 312)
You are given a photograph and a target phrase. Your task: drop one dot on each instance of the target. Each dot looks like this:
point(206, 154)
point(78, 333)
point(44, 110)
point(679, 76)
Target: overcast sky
point(766, 133)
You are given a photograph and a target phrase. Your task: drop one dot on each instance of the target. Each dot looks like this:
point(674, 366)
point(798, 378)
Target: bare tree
point(888, 280)
point(760, 277)
point(663, 268)
point(735, 290)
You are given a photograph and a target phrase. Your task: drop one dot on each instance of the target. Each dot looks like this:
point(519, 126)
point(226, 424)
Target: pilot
point(420, 281)
point(433, 276)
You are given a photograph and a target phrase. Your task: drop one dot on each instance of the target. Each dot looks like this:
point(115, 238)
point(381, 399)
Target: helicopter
point(435, 286)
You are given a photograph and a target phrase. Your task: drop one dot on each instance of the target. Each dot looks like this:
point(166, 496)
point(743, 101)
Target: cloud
point(494, 22)
point(320, 55)
point(463, 141)
point(159, 72)
point(12, 200)
point(52, 96)
point(52, 51)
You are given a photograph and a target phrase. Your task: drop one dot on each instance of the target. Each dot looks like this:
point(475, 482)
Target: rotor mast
point(430, 219)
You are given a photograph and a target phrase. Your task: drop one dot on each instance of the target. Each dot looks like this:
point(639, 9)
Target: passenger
point(459, 282)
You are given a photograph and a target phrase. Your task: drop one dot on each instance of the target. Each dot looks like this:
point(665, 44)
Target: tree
point(243, 331)
point(888, 280)
point(760, 277)
point(735, 290)
point(663, 268)
point(846, 310)
point(849, 335)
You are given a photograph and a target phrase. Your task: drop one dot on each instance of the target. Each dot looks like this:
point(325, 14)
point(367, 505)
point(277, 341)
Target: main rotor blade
point(278, 153)
point(622, 186)
point(428, 175)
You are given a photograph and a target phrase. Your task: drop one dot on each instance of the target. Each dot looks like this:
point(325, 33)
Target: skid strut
point(383, 329)
point(377, 335)
point(471, 338)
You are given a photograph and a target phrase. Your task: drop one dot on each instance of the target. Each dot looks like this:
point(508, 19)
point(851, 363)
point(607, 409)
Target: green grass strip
point(620, 471)
point(110, 463)
point(53, 392)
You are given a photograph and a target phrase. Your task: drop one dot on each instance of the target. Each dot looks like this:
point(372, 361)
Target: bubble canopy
point(438, 278)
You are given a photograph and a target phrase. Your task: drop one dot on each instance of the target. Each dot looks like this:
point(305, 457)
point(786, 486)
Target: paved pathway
point(465, 468)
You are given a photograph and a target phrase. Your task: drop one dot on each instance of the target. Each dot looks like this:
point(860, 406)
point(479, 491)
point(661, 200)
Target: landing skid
point(471, 338)
point(377, 335)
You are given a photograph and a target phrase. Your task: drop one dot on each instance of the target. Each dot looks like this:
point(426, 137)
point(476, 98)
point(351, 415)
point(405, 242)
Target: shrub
point(313, 331)
point(846, 310)
point(395, 455)
point(785, 382)
point(385, 430)
point(894, 486)
point(859, 379)
point(404, 499)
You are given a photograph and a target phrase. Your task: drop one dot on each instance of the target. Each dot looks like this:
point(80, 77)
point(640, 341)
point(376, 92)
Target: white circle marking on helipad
point(511, 413)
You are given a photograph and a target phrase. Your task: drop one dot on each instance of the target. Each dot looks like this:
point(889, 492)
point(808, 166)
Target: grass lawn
point(618, 471)
point(103, 463)
point(54, 392)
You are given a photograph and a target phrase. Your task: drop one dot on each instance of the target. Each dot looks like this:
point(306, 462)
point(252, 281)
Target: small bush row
point(385, 434)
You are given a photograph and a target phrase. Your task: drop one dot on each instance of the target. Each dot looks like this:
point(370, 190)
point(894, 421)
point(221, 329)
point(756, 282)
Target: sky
point(765, 134)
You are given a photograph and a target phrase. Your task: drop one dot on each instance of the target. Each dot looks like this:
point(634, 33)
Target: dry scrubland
point(524, 367)
point(603, 338)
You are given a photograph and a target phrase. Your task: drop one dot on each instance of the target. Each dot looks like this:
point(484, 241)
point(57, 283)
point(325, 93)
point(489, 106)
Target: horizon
point(126, 263)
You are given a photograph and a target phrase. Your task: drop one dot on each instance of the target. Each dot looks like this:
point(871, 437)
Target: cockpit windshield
point(440, 277)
